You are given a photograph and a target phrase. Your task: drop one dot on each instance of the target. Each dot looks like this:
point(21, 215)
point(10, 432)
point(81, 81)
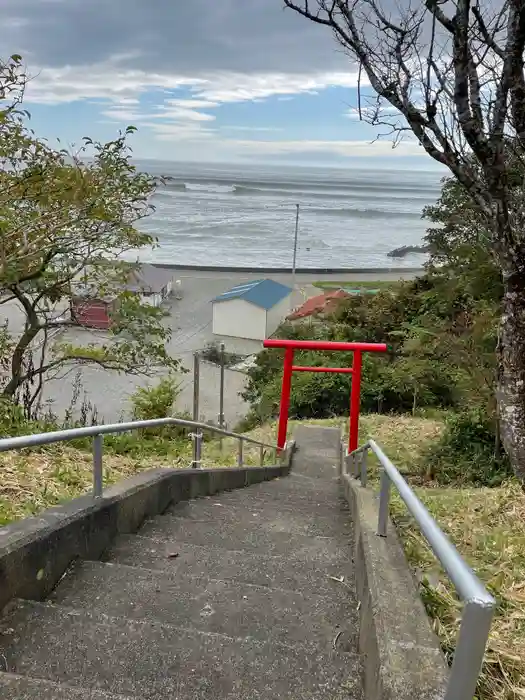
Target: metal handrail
point(98, 431)
point(479, 605)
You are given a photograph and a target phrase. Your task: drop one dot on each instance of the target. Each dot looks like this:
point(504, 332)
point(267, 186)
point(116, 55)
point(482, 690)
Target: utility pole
point(295, 245)
point(197, 435)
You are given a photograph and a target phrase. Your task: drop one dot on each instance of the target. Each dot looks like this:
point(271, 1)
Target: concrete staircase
point(245, 595)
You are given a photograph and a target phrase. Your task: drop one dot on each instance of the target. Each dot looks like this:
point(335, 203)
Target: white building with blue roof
point(252, 310)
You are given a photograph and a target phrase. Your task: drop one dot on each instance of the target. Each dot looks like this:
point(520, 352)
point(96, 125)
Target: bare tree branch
point(454, 73)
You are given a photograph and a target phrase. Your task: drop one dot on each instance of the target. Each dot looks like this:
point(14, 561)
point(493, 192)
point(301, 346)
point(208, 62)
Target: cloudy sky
point(203, 80)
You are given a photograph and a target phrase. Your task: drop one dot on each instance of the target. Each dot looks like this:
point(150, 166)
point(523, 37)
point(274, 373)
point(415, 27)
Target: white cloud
point(172, 119)
point(272, 129)
point(14, 22)
point(105, 80)
point(192, 104)
point(370, 111)
point(340, 148)
point(174, 132)
point(180, 114)
point(239, 87)
point(129, 101)
point(185, 121)
point(121, 114)
point(112, 81)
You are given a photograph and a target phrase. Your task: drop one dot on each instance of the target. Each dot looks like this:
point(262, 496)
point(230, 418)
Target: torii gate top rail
point(357, 349)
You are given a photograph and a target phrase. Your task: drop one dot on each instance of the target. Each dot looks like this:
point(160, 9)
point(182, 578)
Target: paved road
point(191, 322)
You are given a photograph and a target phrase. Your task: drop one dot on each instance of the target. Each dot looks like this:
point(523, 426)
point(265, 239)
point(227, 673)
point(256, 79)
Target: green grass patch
point(364, 286)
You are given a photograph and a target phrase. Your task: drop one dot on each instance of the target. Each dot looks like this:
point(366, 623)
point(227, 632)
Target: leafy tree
point(458, 246)
point(68, 218)
point(454, 74)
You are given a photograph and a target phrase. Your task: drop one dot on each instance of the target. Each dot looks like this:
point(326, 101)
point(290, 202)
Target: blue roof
point(264, 293)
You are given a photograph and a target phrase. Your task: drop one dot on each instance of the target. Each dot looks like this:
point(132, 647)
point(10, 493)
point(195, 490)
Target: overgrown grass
point(38, 479)
point(487, 525)
point(404, 438)
point(348, 284)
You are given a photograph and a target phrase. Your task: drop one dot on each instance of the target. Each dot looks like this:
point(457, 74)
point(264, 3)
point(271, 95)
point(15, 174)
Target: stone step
point(320, 574)
point(319, 450)
point(272, 537)
point(218, 607)
point(14, 687)
point(281, 504)
point(251, 513)
point(297, 485)
point(289, 492)
point(290, 498)
point(155, 662)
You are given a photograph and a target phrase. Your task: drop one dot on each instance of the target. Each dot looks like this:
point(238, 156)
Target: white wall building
point(252, 310)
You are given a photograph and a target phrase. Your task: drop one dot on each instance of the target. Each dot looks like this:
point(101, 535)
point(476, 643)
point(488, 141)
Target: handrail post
point(355, 401)
point(240, 459)
point(470, 650)
point(346, 460)
point(196, 436)
point(261, 455)
point(98, 474)
point(221, 386)
point(285, 397)
point(363, 467)
point(196, 378)
point(355, 466)
point(384, 504)
point(197, 449)
point(222, 364)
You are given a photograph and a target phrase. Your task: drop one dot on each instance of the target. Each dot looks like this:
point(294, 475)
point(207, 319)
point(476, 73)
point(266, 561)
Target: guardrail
point(97, 432)
point(478, 603)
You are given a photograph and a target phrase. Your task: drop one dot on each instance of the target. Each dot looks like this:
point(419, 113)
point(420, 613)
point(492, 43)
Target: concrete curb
point(35, 552)
point(288, 270)
point(402, 657)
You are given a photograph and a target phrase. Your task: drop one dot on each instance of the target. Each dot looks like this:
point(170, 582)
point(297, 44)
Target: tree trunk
point(511, 369)
point(17, 362)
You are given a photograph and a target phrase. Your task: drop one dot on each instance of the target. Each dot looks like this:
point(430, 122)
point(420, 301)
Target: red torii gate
point(288, 368)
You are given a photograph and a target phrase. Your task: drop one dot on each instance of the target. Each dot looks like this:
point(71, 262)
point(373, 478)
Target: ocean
point(245, 215)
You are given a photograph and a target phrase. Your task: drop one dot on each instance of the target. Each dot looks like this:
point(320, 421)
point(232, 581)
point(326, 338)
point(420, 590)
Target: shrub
point(12, 419)
point(212, 353)
point(150, 403)
point(467, 453)
point(441, 354)
point(155, 401)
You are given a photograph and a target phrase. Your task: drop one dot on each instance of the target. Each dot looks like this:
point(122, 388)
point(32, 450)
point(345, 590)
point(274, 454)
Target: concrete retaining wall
point(35, 552)
point(402, 657)
point(299, 270)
